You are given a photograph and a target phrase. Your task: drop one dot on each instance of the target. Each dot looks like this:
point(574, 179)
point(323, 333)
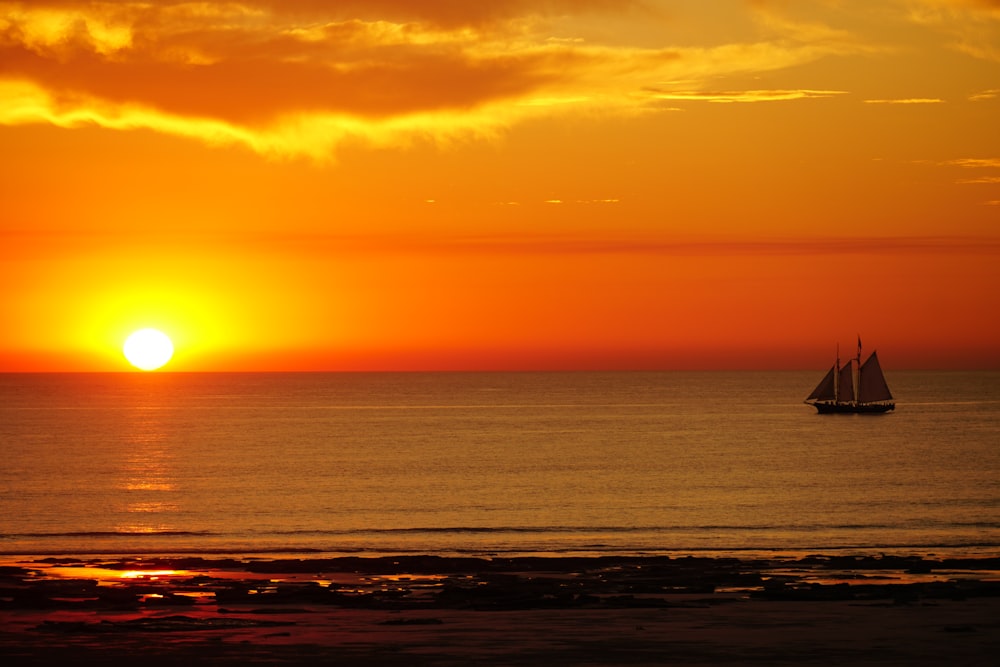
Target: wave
point(507, 530)
point(626, 530)
point(987, 548)
point(980, 537)
point(111, 533)
point(184, 551)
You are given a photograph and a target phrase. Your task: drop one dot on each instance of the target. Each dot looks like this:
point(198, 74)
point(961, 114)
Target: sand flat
point(532, 612)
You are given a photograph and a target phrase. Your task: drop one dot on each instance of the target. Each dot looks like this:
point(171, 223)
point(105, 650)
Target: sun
point(148, 349)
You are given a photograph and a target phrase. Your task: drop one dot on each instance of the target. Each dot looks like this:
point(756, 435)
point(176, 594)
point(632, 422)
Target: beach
point(434, 610)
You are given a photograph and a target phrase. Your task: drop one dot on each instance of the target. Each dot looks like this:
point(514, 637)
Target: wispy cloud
point(982, 179)
point(937, 12)
point(743, 95)
point(985, 95)
point(941, 8)
point(908, 100)
point(972, 25)
point(968, 164)
point(644, 245)
point(975, 163)
point(295, 244)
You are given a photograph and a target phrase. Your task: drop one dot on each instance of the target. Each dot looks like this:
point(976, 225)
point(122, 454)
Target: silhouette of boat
point(855, 388)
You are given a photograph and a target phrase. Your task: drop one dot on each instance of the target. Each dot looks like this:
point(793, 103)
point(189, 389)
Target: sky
point(512, 185)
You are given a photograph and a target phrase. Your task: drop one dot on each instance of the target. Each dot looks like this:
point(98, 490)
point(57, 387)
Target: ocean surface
point(493, 463)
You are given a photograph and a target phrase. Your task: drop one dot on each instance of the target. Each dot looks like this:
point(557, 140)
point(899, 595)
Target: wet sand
point(502, 611)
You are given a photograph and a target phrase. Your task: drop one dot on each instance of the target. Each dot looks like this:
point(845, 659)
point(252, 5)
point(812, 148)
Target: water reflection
point(148, 474)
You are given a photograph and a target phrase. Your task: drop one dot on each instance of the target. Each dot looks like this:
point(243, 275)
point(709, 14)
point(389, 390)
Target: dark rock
point(412, 621)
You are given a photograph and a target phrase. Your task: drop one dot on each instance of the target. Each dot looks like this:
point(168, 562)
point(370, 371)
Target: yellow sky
point(386, 184)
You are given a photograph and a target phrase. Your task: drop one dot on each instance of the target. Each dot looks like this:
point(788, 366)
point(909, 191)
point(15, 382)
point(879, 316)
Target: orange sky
point(388, 184)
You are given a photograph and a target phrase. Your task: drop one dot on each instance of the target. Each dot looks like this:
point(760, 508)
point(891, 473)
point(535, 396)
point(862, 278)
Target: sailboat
point(855, 388)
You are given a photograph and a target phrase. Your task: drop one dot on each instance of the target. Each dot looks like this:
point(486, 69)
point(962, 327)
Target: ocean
point(325, 464)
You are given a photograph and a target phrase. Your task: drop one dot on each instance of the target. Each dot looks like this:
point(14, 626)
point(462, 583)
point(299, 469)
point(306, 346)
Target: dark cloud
point(242, 71)
point(450, 13)
point(259, 90)
point(442, 12)
point(298, 76)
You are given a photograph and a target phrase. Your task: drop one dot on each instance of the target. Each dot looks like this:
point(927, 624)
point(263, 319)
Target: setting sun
point(510, 185)
point(148, 349)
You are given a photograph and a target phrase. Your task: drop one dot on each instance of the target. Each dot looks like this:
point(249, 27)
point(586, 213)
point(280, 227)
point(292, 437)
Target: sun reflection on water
point(151, 575)
point(148, 474)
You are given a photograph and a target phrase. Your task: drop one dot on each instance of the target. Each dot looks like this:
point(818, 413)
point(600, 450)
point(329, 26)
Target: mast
point(857, 375)
point(845, 394)
point(836, 378)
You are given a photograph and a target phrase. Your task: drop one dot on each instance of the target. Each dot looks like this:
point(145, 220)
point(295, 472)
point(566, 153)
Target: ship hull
point(853, 408)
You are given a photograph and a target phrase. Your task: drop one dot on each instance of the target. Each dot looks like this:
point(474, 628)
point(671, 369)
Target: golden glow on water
point(148, 473)
point(108, 576)
point(150, 574)
point(552, 463)
point(149, 486)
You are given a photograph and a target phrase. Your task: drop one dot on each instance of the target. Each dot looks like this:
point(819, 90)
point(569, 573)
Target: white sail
point(845, 392)
point(872, 386)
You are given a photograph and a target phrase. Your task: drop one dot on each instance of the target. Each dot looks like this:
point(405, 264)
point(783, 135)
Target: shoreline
point(419, 609)
point(929, 550)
